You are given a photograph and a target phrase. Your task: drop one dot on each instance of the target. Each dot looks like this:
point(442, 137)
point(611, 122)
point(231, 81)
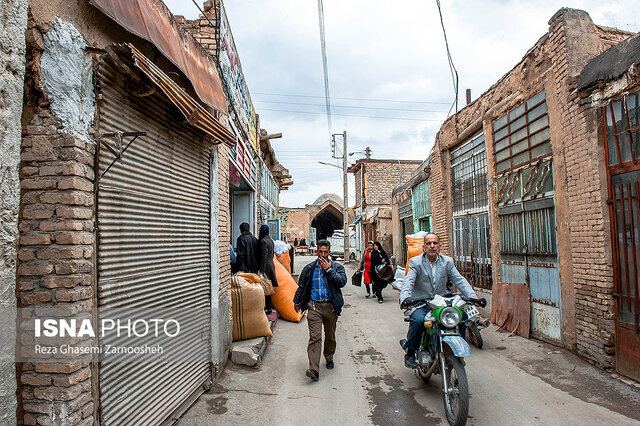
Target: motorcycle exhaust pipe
point(484, 322)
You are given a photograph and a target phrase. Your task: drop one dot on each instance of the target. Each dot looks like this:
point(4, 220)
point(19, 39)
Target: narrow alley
point(512, 380)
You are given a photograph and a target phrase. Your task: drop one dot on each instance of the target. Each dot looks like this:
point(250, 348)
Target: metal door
point(622, 121)
point(528, 242)
point(153, 252)
point(526, 210)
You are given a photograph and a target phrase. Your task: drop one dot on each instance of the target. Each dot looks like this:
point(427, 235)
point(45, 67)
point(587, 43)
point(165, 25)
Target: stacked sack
point(415, 242)
point(247, 305)
point(281, 250)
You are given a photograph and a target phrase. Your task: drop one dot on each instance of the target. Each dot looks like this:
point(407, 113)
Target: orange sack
point(247, 307)
point(414, 248)
point(285, 260)
point(282, 299)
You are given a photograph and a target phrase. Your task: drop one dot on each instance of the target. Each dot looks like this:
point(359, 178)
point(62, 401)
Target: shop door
point(153, 253)
point(528, 243)
point(526, 210)
point(623, 151)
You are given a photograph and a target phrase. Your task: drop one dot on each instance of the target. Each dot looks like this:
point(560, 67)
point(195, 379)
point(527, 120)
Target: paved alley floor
point(513, 381)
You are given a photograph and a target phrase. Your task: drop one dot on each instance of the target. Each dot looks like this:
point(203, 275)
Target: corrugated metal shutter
point(405, 209)
point(154, 255)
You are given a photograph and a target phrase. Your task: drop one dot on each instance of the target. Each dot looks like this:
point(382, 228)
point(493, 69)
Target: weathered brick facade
point(56, 266)
point(374, 183)
point(584, 253)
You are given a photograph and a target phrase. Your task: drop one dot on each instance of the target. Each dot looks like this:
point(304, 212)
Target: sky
point(389, 78)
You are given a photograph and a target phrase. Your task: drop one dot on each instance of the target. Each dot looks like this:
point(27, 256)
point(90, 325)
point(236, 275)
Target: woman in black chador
point(266, 266)
point(378, 257)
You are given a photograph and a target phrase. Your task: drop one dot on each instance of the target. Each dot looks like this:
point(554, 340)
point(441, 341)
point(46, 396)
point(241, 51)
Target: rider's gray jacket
point(423, 281)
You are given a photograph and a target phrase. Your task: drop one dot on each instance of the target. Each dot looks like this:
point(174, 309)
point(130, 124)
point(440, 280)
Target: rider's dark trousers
point(416, 327)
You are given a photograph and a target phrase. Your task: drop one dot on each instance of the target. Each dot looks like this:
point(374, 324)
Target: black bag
point(356, 279)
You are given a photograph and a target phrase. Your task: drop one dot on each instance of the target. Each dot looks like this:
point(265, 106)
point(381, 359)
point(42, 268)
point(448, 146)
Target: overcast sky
point(389, 78)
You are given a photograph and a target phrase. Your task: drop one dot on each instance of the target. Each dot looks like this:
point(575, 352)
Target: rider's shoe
point(410, 361)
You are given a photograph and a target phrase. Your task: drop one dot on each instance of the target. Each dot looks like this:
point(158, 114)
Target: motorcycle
point(442, 350)
point(474, 323)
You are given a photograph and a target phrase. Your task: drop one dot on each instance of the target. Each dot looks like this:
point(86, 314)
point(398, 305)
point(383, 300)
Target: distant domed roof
point(328, 196)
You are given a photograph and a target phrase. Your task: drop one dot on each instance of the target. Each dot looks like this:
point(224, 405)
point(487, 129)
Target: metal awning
point(192, 110)
point(151, 20)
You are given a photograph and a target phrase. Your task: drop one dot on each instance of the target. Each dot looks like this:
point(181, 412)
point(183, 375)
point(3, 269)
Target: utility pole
point(345, 202)
point(345, 207)
point(367, 153)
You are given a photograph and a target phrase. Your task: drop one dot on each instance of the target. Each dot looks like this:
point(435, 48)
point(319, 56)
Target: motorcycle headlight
point(450, 317)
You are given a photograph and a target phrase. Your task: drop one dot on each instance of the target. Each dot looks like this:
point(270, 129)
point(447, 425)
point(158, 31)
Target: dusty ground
point(513, 381)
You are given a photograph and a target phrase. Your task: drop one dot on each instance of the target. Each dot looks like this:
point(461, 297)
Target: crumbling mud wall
point(13, 22)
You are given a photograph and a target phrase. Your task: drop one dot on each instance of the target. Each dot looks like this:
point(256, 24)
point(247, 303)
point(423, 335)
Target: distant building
point(374, 183)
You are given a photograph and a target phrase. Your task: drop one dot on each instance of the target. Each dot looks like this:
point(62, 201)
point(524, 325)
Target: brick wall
point(584, 252)
point(55, 269)
point(201, 28)
point(381, 178)
point(586, 193)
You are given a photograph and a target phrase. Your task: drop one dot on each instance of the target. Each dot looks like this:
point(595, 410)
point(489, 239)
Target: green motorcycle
point(442, 350)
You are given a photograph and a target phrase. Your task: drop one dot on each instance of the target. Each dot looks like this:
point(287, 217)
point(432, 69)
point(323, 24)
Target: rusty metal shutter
point(153, 253)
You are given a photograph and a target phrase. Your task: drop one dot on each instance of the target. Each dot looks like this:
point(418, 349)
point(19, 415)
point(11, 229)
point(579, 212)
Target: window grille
point(522, 135)
point(469, 175)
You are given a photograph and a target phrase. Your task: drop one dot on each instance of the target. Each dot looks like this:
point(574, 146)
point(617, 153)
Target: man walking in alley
point(319, 292)
point(247, 244)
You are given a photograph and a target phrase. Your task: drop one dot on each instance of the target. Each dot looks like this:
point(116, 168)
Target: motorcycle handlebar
point(410, 301)
point(482, 302)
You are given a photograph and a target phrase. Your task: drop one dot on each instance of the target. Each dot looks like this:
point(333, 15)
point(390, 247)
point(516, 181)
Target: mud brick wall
point(201, 28)
point(586, 190)
point(55, 267)
point(381, 177)
point(584, 248)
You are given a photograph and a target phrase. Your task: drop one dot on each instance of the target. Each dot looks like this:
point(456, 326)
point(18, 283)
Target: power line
point(454, 71)
point(324, 65)
point(352, 106)
point(350, 99)
point(350, 115)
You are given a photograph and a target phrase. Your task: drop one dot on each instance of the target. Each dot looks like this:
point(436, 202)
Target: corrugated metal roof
point(151, 20)
point(195, 113)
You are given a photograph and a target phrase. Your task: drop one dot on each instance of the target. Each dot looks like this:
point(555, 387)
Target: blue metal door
point(528, 242)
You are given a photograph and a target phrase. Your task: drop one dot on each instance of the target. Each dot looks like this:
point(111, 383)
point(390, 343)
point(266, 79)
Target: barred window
point(522, 135)
point(469, 175)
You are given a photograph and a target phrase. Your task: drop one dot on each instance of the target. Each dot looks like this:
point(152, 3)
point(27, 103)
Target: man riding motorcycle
point(427, 276)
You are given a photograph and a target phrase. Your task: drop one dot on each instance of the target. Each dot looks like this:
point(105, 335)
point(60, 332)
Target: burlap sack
point(247, 305)
point(267, 286)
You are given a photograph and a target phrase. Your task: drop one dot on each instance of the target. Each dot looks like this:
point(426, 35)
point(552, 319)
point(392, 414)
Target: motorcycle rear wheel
point(456, 402)
point(474, 336)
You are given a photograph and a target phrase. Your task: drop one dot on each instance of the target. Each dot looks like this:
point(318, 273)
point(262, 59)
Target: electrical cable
point(349, 115)
point(454, 71)
point(325, 66)
point(350, 99)
point(352, 106)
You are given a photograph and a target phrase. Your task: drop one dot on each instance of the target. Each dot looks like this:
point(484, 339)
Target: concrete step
point(250, 352)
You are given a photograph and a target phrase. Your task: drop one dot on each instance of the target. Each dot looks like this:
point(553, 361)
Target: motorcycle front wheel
point(456, 401)
point(474, 336)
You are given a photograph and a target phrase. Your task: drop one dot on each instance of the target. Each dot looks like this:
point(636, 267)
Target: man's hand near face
point(324, 263)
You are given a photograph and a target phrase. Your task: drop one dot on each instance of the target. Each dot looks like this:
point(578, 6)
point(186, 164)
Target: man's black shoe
point(313, 375)
point(409, 361)
point(330, 365)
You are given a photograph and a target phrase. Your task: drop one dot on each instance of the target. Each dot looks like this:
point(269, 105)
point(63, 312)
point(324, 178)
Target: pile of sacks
point(247, 298)
point(415, 242)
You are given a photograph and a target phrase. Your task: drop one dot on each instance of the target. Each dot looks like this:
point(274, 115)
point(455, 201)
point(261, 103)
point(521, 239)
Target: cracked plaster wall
point(67, 78)
point(13, 23)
